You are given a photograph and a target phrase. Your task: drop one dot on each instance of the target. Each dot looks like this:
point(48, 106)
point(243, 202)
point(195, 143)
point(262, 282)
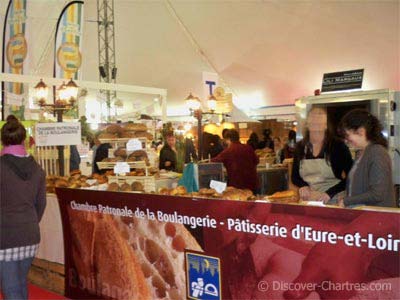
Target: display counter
point(147, 246)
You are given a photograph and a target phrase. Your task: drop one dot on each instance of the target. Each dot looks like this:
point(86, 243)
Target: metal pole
point(199, 116)
point(59, 113)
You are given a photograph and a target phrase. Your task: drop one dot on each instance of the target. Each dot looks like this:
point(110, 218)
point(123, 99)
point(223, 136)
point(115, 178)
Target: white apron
point(318, 174)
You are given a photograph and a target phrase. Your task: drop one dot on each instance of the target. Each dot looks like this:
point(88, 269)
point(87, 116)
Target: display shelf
point(123, 140)
point(105, 165)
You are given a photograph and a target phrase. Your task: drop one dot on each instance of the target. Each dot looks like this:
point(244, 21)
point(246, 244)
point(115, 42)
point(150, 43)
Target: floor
point(37, 293)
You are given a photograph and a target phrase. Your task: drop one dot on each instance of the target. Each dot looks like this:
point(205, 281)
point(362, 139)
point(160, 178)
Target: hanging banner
point(146, 246)
point(67, 48)
point(14, 60)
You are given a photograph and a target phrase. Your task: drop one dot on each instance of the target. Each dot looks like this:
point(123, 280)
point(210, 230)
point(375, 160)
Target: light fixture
point(67, 95)
point(193, 102)
point(72, 90)
point(41, 92)
point(114, 73)
point(103, 72)
point(212, 103)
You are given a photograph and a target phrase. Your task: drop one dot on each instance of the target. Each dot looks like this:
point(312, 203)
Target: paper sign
point(218, 186)
point(121, 168)
point(133, 145)
point(58, 134)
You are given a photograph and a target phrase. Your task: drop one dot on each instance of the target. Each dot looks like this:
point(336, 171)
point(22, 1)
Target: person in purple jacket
point(22, 204)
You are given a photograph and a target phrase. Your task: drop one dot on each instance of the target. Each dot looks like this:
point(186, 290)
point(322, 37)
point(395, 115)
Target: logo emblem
point(69, 58)
point(203, 276)
point(16, 51)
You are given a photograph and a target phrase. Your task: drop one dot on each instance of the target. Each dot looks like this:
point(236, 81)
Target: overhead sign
point(345, 80)
point(58, 134)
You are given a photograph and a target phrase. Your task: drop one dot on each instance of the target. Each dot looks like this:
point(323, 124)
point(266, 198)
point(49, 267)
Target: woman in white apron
point(321, 162)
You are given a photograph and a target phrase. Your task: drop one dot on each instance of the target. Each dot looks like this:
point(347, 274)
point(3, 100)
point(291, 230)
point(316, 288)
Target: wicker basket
point(148, 182)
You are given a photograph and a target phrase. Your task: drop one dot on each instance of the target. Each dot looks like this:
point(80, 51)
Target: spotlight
point(113, 73)
point(103, 72)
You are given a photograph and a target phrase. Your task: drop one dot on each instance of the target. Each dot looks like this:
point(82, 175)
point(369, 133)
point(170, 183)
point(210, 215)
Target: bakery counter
point(125, 234)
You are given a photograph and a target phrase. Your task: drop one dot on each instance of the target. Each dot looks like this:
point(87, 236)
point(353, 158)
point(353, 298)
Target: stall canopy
point(266, 53)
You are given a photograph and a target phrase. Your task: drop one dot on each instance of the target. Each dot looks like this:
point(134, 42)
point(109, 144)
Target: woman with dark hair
point(370, 179)
point(321, 162)
point(23, 200)
point(253, 141)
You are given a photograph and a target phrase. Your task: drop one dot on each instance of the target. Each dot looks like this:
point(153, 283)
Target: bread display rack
point(115, 141)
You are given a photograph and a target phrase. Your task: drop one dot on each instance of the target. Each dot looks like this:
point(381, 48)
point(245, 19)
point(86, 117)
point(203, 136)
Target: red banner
point(132, 246)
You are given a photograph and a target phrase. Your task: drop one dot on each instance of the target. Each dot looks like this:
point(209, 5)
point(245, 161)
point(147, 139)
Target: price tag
point(219, 186)
point(121, 168)
point(133, 145)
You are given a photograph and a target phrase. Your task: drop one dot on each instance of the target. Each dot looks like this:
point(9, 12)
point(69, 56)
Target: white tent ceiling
point(266, 52)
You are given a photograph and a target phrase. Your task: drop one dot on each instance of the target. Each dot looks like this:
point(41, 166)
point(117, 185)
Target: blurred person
point(168, 153)
point(321, 162)
point(370, 180)
point(267, 142)
point(278, 147)
point(240, 162)
point(224, 138)
point(100, 152)
point(290, 146)
point(212, 145)
point(253, 141)
point(74, 158)
point(23, 201)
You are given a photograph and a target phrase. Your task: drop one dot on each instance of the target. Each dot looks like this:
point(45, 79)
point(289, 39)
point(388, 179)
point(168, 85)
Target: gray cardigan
point(372, 182)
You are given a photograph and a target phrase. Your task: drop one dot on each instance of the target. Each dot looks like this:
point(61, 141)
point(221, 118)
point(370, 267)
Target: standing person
point(253, 141)
point(370, 179)
point(212, 145)
point(320, 160)
point(168, 158)
point(240, 162)
point(290, 146)
point(267, 142)
point(224, 138)
point(279, 156)
point(74, 158)
point(100, 152)
point(22, 204)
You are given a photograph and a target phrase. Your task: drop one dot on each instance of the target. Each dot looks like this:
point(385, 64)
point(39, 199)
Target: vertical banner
point(15, 51)
point(67, 48)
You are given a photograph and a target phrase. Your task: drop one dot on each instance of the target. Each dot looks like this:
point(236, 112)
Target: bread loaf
point(135, 127)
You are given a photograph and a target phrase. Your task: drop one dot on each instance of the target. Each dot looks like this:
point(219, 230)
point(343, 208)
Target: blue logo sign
point(203, 277)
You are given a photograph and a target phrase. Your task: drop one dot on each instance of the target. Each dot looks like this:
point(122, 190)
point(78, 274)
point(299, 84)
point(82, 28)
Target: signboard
point(133, 145)
point(57, 134)
point(135, 246)
point(345, 80)
point(121, 168)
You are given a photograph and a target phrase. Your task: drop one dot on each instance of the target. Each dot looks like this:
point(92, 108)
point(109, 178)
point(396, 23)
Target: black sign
point(339, 81)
